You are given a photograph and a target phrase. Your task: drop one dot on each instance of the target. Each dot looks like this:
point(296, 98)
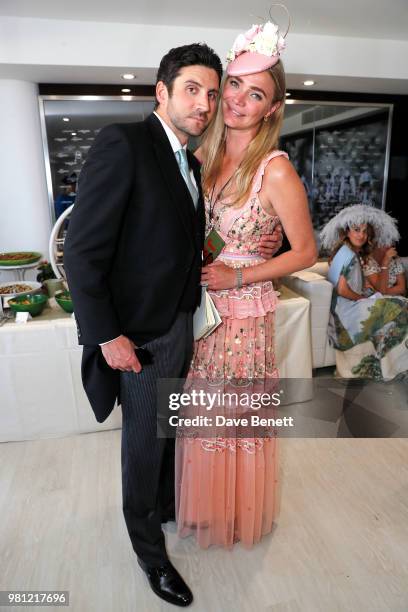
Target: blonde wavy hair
point(266, 140)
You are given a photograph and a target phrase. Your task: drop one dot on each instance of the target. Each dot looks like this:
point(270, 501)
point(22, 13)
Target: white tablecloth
point(292, 335)
point(41, 393)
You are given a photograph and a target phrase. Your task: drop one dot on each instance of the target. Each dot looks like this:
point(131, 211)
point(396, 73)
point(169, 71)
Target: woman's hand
point(345, 291)
point(388, 255)
point(218, 276)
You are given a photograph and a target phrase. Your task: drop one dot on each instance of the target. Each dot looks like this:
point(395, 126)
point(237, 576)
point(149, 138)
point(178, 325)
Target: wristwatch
point(239, 279)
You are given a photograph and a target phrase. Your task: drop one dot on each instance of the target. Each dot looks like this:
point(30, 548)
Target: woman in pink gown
point(226, 485)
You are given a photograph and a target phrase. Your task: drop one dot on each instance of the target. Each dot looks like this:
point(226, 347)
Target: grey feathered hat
point(385, 226)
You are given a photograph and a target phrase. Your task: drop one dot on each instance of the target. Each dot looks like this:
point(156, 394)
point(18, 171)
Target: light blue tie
point(182, 161)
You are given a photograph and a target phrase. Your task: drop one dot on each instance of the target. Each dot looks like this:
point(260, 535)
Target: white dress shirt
point(175, 143)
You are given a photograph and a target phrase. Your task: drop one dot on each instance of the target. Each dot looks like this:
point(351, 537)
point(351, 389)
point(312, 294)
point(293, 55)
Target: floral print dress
point(370, 335)
point(225, 484)
point(396, 268)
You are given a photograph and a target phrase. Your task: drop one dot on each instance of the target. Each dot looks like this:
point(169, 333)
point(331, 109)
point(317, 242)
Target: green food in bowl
point(63, 299)
point(32, 303)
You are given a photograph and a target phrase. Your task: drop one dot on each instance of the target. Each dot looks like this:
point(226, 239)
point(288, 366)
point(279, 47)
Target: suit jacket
point(133, 248)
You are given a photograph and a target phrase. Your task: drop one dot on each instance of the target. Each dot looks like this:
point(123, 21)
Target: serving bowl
point(32, 303)
point(20, 288)
point(19, 258)
point(64, 300)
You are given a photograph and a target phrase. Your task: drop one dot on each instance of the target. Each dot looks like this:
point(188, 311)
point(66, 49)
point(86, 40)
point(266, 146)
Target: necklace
point(213, 201)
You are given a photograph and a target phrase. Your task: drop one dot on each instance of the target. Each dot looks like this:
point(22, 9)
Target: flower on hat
point(252, 32)
point(240, 44)
point(264, 39)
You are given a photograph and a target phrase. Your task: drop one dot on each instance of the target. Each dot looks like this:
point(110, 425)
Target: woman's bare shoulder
point(279, 167)
point(281, 177)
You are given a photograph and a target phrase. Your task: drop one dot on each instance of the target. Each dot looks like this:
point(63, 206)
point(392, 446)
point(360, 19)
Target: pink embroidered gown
point(225, 485)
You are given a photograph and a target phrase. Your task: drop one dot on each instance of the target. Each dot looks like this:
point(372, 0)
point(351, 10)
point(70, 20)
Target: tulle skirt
point(226, 485)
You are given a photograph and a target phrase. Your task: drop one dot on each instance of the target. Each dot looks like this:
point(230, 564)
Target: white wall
point(24, 215)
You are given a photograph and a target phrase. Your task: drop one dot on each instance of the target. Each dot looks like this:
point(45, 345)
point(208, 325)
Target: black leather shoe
point(166, 518)
point(167, 583)
point(168, 514)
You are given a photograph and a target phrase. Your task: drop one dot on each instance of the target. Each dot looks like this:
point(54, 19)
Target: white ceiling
point(354, 18)
point(360, 18)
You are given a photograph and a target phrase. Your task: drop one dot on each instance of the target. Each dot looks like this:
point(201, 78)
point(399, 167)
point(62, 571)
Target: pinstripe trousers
point(148, 461)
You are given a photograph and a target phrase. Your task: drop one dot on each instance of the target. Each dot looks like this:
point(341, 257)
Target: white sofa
point(312, 284)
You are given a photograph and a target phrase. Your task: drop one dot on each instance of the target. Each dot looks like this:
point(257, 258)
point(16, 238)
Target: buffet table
point(40, 376)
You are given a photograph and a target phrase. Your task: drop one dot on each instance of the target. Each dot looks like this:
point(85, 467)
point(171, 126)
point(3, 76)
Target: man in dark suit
point(133, 258)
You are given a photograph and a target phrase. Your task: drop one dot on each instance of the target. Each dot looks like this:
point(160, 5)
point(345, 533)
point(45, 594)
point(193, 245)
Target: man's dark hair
point(196, 54)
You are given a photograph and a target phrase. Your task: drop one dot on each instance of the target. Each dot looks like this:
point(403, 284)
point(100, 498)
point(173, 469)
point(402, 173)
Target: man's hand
point(270, 243)
point(120, 355)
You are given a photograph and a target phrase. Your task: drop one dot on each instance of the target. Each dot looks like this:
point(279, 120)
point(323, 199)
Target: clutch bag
point(206, 317)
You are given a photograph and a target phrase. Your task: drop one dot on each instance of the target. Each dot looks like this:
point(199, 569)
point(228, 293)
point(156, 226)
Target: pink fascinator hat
point(257, 49)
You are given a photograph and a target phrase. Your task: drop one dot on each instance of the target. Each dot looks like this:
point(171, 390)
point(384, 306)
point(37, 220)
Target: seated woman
point(368, 330)
point(384, 271)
